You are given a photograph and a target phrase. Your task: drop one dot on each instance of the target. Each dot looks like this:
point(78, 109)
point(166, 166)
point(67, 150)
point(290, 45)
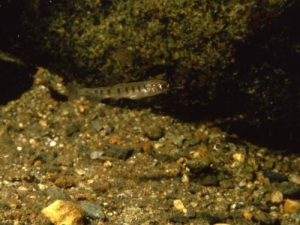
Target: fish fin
point(160, 76)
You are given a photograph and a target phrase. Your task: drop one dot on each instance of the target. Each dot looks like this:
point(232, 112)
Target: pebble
point(100, 187)
point(197, 165)
point(294, 178)
point(65, 181)
point(52, 143)
point(291, 206)
point(178, 204)
point(55, 193)
point(80, 172)
point(291, 219)
point(185, 179)
point(96, 125)
point(209, 180)
point(92, 210)
point(73, 128)
point(147, 146)
point(275, 176)
point(178, 140)
point(64, 212)
point(119, 152)
point(179, 218)
point(154, 132)
point(238, 157)
point(247, 214)
point(290, 190)
point(96, 154)
point(263, 217)
point(114, 139)
point(276, 197)
point(107, 164)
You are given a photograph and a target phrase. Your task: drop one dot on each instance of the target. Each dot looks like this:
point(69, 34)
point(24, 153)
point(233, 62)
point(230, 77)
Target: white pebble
point(52, 143)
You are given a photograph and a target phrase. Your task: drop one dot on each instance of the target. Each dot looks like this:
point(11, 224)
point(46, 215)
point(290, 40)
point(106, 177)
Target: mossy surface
point(118, 41)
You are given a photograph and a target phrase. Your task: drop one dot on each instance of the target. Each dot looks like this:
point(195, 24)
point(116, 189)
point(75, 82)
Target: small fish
point(133, 90)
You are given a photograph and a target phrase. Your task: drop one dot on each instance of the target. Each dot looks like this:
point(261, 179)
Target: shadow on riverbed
point(14, 81)
point(276, 136)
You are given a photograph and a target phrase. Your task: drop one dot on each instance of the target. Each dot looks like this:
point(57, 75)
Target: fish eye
point(164, 85)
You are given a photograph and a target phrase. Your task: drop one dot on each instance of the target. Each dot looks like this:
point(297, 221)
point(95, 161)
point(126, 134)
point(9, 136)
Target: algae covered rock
point(117, 41)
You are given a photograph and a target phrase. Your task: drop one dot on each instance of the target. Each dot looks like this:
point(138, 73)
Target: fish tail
point(72, 91)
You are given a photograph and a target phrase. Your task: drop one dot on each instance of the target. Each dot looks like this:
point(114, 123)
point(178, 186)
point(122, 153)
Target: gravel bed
point(134, 166)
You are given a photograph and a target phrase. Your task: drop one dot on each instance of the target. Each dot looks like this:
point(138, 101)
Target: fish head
point(158, 86)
